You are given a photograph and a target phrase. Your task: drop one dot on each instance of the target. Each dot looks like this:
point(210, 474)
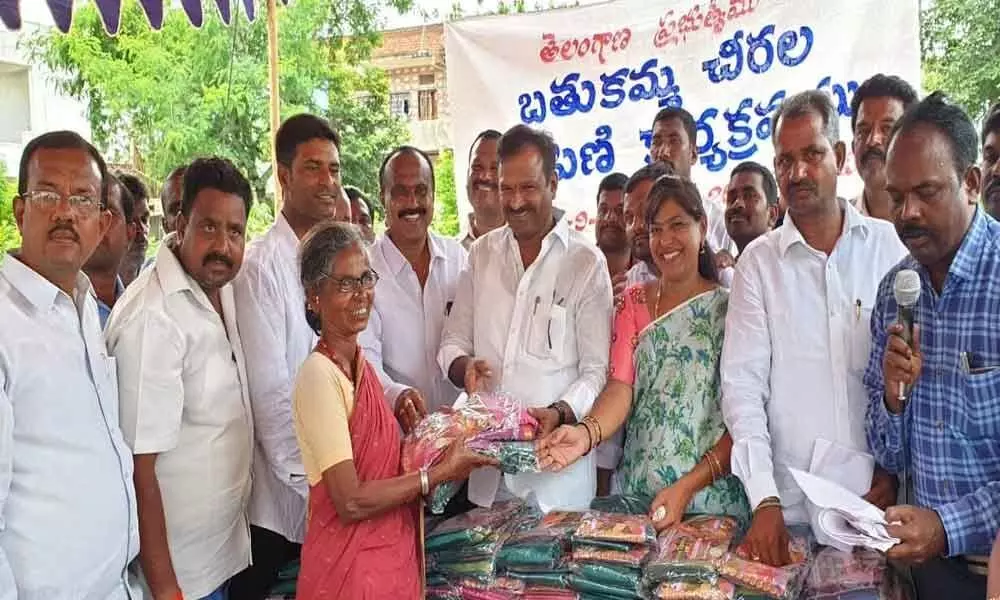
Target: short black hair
point(60, 140)
point(613, 182)
point(882, 86)
point(487, 134)
point(128, 201)
point(404, 149)
point(217, 174)
point(650, 172)
point(685, 118)
point(354, 194)
point(766, 177)
point(992, 121)
point(517, 137)
point(137, 189)
point(298, 130)
point(940, 113)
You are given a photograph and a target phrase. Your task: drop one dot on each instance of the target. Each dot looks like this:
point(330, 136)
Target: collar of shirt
point(283, 232)
point(41, 292)
point(395, 260)
point(965, 265)
point(174, 279)
point(559, 231)
point(853, 220)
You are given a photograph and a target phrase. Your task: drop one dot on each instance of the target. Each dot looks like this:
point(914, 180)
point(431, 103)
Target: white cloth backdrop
point(595, 76)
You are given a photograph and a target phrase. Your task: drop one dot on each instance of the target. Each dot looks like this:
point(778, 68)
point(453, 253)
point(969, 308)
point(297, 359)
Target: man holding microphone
point(948, 411)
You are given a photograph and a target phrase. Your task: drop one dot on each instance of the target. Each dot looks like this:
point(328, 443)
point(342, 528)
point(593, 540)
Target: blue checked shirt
point(953, 415)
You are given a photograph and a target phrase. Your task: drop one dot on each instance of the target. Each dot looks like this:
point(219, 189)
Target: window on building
point(427, 105)
point(427, 79)
point(399, 104)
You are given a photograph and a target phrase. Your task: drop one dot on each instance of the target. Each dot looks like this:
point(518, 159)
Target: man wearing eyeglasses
point(418, 273)
point(68, 524)
point(106, 261)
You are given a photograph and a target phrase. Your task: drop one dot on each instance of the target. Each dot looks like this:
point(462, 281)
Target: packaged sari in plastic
point(625, 578)
point(478, 526)
point(562, 522)
point(536, 549)
point(780, 583)
point(621, 503)
point(834, 573)
point(595, 554)
point(548, 579)
point(546, 593)
point(515, 458)
point(710, 527)
point(442, 592)
point(615, 528)
point(686, 590)
point(587, 587)
point(682, 555)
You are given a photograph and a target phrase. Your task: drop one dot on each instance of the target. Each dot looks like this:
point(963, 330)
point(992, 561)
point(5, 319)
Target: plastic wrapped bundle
point(628, 505)
point(545, 593)
point(710, 527)
point(442, 592)
point(555, 579)
point(562, 522)
point(478, 526)
point(588, 587)
point(782, 583)
point(834, 573)
point(599, 528)
point(682, 556)
point(634, 557)
point(515, 458)
point(684, 590)
point(536, 549)
point(502, 588)
point(622, 578)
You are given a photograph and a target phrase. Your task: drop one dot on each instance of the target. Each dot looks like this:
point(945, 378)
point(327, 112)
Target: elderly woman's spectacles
point(353, 285)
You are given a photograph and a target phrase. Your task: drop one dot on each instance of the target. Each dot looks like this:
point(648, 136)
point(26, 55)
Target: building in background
point(29, 102)
point(413, 59)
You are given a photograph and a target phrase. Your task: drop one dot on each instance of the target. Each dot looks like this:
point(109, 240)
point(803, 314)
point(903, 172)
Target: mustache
point(490, 185)
point(67, 228)
point(216, 257)
point(873, 152)
point(804, 185)
point(736, 212)
point(411, 211)
point(906, 232)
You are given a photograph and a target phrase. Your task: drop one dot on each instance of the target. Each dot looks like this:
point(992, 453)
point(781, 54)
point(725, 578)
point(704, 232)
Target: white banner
point(595, 76)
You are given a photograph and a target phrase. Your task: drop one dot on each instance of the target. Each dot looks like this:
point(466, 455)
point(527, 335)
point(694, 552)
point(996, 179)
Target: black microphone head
point(906, 287)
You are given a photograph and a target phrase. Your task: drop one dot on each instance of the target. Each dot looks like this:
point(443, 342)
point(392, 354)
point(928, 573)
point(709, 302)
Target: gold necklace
point(656, 305)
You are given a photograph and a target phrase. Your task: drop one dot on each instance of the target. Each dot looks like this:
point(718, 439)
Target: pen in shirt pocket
point(857, 309)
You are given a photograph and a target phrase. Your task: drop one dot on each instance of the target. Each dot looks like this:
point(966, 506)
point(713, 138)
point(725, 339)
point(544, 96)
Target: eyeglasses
point(84, 206)
point(353, 285)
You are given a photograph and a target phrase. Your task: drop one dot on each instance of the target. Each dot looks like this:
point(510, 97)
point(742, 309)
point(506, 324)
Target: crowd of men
point(146, 437)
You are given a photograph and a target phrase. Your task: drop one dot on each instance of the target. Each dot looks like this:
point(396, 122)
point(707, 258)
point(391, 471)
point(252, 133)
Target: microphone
point(906, 290)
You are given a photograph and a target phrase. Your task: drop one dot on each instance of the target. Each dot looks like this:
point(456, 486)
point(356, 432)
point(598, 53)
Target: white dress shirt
point(545, 331)
point(270, 310)
point(796, 348)
point(639, 273)
point(404, 331)
point(68, 528)
point(183, 396)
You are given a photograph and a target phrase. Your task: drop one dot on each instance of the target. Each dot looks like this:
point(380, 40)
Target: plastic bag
point(834, 573)
point(681, 555)
point(710, 527)
point(478, 526)
point(782, 583)
point(515, 458)
point(616, 528)
point(562, 522)
point(587, 586)
point(535, 549)
point(549, 579)
point(625, 578)
point(628, 505)
point(682, 590)
point(595, 554)
point(546, 593)
point(443, 592)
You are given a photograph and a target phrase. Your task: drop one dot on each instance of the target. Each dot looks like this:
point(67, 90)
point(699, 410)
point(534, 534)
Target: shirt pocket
point(547, 334)
point(859, 343)
point(981, 405)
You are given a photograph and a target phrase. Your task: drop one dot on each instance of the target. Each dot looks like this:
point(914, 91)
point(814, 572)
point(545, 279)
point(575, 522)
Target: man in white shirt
point(674, 142)
point(185, 410)
point(481, 187)
point(751, 203)
point(634, 209)
point(418, 275)
point(875, 107)
point(797, 331)
point(68, 525)
point(533, 315)
point(272, 321)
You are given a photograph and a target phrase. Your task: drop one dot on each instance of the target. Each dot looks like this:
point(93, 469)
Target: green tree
point(445, 199)
point(10, 237)
point(959, 42)
point(159, 99)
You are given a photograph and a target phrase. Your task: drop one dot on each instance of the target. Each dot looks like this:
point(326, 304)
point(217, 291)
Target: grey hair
point(324, 242)
point(803, 103)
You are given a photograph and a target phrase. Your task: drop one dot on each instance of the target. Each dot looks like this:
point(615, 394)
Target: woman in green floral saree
point(664, 383)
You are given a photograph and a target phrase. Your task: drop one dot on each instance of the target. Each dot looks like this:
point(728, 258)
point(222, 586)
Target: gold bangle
point(718, 464)
point(597, 427)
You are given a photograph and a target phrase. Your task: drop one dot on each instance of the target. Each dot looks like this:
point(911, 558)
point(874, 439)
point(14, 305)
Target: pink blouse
point(631, 318)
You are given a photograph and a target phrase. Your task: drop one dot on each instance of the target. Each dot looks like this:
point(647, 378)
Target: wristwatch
point(558, 407)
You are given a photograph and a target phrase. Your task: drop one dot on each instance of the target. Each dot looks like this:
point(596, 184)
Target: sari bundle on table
point(494, 424)
point(609, 550)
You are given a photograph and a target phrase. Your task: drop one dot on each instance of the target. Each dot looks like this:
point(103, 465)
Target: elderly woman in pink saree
point(361, 537)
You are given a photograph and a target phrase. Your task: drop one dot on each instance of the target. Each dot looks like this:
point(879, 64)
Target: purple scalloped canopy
point(110, 11)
